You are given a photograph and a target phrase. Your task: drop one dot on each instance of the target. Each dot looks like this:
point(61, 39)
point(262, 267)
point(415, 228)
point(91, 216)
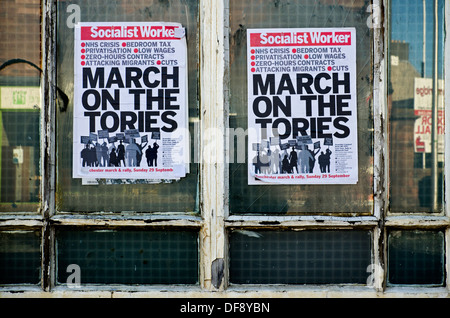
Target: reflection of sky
point(407, 25)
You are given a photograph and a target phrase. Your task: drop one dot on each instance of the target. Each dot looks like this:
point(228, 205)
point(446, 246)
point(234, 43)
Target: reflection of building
point(21, 18)
point(19, 105)
point(19, 144)
point(410, 180)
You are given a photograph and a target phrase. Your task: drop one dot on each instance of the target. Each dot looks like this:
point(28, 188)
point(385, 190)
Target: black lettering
point(104, 120)
point(129, 71)
point(85, 99)
point(127, 120)
point(91, 116)
point(344, 82)
point(317, 85)
point(308, 103)
point(263, 87)
point(322, 105)
point(97, 80)
point(114, 78)
point(300, 126)
point(141, 121)
point(168, 98)
point(321, 127)
point(166, 76)
point(165, 118)
point(285, 84)
point(268, 109)
point(285, 107)
point(151, 99)
point(137, 97)
point(146, 77)
point(337, 124)
point(313, 127)
point(287, 125)
point(302, 84)
point(263, 122)
point(113, 101)
point(149, 121)
point(341, 104)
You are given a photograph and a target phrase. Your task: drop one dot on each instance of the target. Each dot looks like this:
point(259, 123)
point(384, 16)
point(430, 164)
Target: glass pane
point(416, 167)
point(20, 260)
point(114, 195)
point(129, 257)
point(416, 257)
point(294, 199)
point(306, 257)
point(20, 57)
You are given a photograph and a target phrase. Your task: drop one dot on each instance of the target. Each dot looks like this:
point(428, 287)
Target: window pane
point(129, 257)
point(306, 257)
point(19, 106)
point(293, 199)
point(20, 260)
point(167, 196)
point(416, 168)
point(416, 257)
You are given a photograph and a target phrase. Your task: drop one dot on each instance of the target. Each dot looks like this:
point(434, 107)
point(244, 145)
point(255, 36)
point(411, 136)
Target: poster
point(130, 101)
point(302, 106)
point(423, 101)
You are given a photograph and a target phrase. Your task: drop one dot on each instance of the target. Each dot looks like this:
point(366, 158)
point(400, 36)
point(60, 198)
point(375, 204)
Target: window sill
point(241, 291)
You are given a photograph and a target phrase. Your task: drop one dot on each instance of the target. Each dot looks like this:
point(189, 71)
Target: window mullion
point(48, 148)
point(381, 157)
point(212, 157)
point(447, 140)
point(447, 109)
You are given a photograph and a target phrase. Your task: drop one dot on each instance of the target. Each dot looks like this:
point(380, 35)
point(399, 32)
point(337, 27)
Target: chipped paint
point(214, 221)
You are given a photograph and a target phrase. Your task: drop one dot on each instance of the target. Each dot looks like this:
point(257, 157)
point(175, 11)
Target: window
point(20, 108)
point(216, 231)
point(350, 199)
point(415, 67)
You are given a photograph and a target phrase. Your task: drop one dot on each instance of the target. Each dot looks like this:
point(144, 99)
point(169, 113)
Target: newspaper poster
point(302, 106)
point(130, 101)
point(423, 104)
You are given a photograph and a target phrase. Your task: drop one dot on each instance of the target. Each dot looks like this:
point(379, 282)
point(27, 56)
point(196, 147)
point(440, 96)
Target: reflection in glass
point(20, 58)
point(129, 257)
point(351, 199)
point(20, 260)
point(305, 257)
point(416, 257)
point(415, 93)
point(72, 195)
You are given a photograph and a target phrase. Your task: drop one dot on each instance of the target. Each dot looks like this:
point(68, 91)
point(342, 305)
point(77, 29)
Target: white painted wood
point(212, 130)
point(447, 137)
point(214, 222)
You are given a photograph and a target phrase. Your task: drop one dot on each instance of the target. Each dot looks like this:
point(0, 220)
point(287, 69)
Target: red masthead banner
point(130, 32)
point(117, 131)
point(302, 106)
point(313, 38)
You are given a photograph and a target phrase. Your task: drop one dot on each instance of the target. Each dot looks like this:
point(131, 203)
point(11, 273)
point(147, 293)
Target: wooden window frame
point(215, 221)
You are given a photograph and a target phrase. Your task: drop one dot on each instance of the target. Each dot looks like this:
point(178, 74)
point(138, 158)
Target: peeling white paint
point(214, 221)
